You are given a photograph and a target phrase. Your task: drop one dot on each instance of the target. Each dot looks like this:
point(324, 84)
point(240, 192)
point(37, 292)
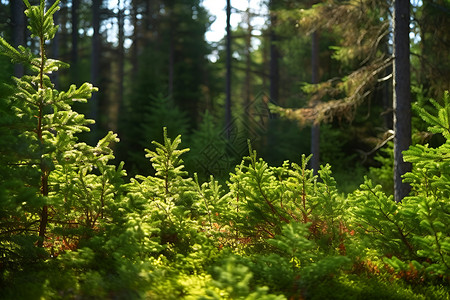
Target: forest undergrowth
point(72, 226)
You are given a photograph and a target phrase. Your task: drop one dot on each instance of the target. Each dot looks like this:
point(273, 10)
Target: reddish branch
point(44, 168)
point(305, 216)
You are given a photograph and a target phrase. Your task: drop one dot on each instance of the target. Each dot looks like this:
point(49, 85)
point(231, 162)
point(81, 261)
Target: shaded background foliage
point(75, 224)
point(160, 53)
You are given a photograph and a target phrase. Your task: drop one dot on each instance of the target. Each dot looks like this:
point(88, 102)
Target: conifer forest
point(304, 153)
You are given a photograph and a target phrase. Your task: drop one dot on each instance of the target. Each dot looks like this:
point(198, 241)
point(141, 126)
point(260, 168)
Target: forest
point(304, 155)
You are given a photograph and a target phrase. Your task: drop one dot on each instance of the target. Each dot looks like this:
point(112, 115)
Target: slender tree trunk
point(315, 57)
point(315, 129)
point(121, 62)
point(402, 97)
point(135, 46)
point(172, 24)
point(43, 166)
point(63, 29)
point(228, 73)
point(248, 63)
point(95, 64)
point(265, 66)
point(74, 35)
point(274, 69)
point(18, 31)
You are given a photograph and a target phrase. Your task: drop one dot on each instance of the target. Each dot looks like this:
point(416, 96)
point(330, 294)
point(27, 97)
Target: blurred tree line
point(318, 74)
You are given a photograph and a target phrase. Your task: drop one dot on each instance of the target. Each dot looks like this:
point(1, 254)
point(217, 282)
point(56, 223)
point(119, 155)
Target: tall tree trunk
point(120, 61)
point(95, 64)
point(18, 31)
point(120, 46)
point(74, 35)
point(248, 63)
point(265, 66)
point(135, 46)
point(63, 29)
point(171, 70)
point(228, 73)
point(402, 97)
point(274, 57)
point(43, 222)
point(315, 129)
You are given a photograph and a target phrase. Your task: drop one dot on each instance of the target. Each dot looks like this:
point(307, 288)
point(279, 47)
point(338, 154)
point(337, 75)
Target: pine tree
point(61, 188)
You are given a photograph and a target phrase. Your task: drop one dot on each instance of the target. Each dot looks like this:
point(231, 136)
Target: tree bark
point(74, 16)
point(248, 71)
point(402, 97)
point(74, 37)
point(121, 63)
point(228, 73)
point(95, 64)
point(43, 166)
point(274, 57)
point(121, 51)
point(135, 46)
point(171, 70)
point(315, 129)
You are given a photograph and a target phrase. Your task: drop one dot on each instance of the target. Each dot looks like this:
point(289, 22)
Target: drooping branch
point(357, 86)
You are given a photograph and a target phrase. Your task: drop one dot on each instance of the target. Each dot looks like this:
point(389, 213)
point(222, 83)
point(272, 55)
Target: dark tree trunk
point(402, 97)
point(228, 73)
point(248, 71)
point(315, 57)
point(171, 71)
point(274, 57)
point(74, 37)
point(135, 46)
point(116, 107)
point(18, 31)
point(95, 63)
point(74, 16)
point(63, 31)
point(120, 50)
point(315, 129)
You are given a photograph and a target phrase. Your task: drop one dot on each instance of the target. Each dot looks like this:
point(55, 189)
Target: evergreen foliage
point(361, 28)
point(147, 124)
point(208, 153)
point(72, 226)
point(382, 175)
